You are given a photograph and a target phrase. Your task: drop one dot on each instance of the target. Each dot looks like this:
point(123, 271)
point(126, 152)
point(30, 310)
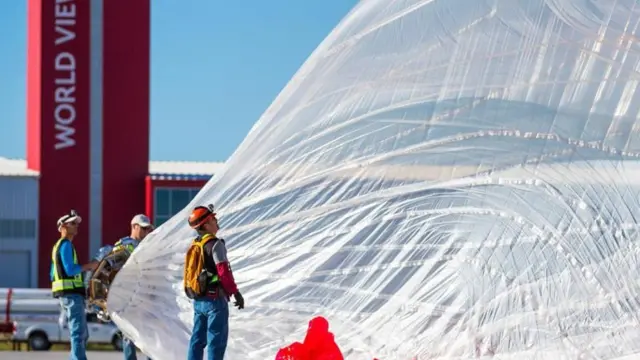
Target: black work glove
point(239, 300)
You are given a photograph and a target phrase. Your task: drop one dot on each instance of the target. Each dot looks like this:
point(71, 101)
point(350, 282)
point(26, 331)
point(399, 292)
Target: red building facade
point(88, 113)
point(88, 121)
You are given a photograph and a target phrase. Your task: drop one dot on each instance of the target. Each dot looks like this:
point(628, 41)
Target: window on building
point(179, 199)
point(17, 228)
point(169, 201)
point(162, 202)
point(194, 192)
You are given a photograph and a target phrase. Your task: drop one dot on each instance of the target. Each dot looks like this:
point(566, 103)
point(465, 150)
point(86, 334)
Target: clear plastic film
point(440, 179)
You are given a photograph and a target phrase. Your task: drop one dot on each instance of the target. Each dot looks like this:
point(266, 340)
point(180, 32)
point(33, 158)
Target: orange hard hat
point(200, 215)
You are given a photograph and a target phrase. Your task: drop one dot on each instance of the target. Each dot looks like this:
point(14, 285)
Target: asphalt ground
point(59, 355)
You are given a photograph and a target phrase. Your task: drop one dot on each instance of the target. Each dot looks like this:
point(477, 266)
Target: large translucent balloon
point(441, 179)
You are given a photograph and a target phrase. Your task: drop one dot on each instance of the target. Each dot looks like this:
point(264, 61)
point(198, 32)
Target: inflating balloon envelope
point(440, 179)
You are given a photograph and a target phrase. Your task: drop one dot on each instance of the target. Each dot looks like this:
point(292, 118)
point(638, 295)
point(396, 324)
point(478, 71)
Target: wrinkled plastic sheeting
point(440, 179)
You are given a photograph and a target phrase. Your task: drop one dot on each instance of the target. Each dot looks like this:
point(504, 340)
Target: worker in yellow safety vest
point(67, 283)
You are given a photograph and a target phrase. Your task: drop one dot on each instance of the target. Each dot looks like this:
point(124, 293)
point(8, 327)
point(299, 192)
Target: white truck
point(39, 322)
point(42, 331)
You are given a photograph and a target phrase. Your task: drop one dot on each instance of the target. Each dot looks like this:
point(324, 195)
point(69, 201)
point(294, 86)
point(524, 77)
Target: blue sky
point(215, 67)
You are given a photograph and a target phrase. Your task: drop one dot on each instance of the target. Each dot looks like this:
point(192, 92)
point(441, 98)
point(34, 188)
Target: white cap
point(72, 216)
point(142, 220)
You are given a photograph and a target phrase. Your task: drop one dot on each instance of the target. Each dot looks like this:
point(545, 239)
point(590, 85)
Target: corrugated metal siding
point(18, 214)
point(18, 167)
point(16, 270)
point(188, 168)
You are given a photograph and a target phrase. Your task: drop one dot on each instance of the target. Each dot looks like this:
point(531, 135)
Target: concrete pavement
point(58, 355)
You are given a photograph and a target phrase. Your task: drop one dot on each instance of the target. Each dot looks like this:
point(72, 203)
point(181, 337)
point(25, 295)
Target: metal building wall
point(19, 231)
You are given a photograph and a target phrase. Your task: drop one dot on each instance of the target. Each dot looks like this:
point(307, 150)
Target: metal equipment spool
point(101, 279)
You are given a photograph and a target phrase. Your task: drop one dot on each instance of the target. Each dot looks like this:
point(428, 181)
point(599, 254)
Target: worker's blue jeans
point(74, 308)
point(210, 328)
point(129, 349)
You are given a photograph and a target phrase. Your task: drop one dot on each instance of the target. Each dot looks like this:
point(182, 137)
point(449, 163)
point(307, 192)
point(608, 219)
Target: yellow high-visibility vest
point(62, 283)
point(119, 245)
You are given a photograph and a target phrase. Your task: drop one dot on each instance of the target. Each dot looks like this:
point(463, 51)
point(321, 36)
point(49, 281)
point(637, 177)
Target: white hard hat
point(72, 216)
point(142, 220)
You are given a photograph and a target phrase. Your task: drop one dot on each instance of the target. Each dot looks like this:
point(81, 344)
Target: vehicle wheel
point(38, 341)
point(117, 342)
